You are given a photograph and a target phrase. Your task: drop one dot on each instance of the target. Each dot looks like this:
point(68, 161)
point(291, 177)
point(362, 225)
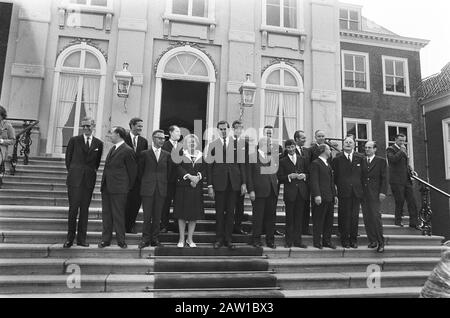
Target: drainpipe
point(426, 142)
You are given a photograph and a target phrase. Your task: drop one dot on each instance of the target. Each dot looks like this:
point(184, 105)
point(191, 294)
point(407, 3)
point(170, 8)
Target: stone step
point(306, 281)
point(15, 250)
point(342, 265)
point(13, 284)
point(387, 292)
point(96, 225)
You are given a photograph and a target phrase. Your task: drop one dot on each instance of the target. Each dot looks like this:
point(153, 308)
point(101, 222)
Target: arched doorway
point(78, 91)
point(185, 89)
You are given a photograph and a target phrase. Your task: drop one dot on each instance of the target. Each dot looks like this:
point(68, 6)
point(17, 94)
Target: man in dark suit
point(83, 156)
point(169, 145)
point(226, 177)
point(118, 178)
point(347, 177)
point(293, 173)
point(400, 180)
point(263, 191)
point(155, 167)
point(138, 144)
point(319, 135)
point(324, 194)
point(305, 154)
point(242, 145)
point(374, 183)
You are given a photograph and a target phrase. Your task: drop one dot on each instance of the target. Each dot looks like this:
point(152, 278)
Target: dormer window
point(349, 19)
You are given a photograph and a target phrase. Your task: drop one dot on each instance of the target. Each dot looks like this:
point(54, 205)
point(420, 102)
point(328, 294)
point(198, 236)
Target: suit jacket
point(192, 168)
point(347, 175)
point(314, 153)
point(154, 175)
point(142, 144)
point(374, 178)
point(220, 169)
point(82, 162)
point(322, 181)
point(306, 155)
point(262, 183)
point(295, 187)
point(169, 147)
point(399, 169)
point(120, 170)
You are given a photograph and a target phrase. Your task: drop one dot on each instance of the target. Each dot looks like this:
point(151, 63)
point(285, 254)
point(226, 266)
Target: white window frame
point(367, 65)
point(299, 28)
point(406, 75)
point(68, 5)
point(358, 10)
point(410, 138)
point(299, 90)
point(210, 19)
point(357, 121)
point(446, 139)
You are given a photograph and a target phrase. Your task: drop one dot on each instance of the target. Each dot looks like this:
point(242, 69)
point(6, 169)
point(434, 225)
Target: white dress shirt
point(86, 138)
point(324, 161)
point(157, 152)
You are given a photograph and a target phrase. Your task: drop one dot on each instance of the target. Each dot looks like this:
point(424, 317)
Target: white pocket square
point(96, 149)
point(358, 165)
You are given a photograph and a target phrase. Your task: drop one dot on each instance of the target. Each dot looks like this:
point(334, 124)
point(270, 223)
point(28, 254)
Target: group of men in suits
point(135, 173)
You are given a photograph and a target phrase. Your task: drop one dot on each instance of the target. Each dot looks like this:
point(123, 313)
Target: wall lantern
point(248, 92)
point(124, 80)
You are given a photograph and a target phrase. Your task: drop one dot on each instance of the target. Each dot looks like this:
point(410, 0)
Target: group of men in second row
point(136, 174)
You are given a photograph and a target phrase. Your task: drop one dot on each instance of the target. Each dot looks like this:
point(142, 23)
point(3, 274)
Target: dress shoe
point(240, 232)
point(345, 245)
point(417, 227)
point(103, 244)
point(230, 245)
point(218, 245)
point(122, 245)
point(398, 223)
point(278, 233)
point(300, 245)
point(353, 245)
point(330, 245)
point(191, 244)
point(271, 245)
point(155, 243)
point(380, 248)
point(68, 244)
point(143, 245)
point(319, 246)
point(287, 245)
point(180, 244)
point(257, 244)
point(372, 245)
point(84, 244)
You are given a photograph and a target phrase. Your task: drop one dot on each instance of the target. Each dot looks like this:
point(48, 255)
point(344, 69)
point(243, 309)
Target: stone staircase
point(33, 224)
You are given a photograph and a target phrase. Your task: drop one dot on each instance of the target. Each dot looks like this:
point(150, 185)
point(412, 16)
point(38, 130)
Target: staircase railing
point(425, 213)
point(23, 139)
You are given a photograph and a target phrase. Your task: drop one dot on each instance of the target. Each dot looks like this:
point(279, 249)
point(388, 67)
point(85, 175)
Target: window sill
point(87, 9)
point(189, 19)
point(356, 90)
point(397, 94)
point(282, 30)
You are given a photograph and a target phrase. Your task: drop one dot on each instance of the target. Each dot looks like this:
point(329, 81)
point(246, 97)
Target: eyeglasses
point(86, 126)
point(157, 137)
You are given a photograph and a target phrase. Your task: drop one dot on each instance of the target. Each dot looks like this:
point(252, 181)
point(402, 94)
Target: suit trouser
point(348, 219)
point(113, 216)
point(402, 192)
point(134, 201)
point(372, 220)
point(79, 199)
point(294, 220)
point(152, 216)
point(322, 223)
point(239, 211)
point(306, 217)
point(264, 217)
point(165, 215)
point(225, 204)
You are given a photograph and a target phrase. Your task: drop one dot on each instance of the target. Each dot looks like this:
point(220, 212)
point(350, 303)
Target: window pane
point(274, 78)
point(273, 15)
point(362, 131)
point(399, 68)
point(199, 8)
point(389, 67)
point(73, 60)
point(91, 62)
point(349, 82)
point(354, 15)
point(392, 131)
point(400, 85)
point(360, 79)
point(199, 68)
point(390, 87)
point(359, 63)
point(348, 62)
point(343, 24)
point(289, 79)
point(354, 26)
point(343, 14)
point(180, 7)
point(78, 1)
point(351, 129)
point(290, 18)
point(100, 3)
point(404, 131)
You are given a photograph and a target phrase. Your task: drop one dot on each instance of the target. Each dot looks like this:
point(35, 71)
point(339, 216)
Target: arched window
point(78, 92)
point(282, 97)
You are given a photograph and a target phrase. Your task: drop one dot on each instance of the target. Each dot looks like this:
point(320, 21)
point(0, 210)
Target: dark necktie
point(87, 142)
point(134, 143)
point(224, 149)
point(111, 152)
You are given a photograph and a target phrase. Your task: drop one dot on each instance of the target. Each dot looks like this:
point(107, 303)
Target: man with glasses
point(83, 156)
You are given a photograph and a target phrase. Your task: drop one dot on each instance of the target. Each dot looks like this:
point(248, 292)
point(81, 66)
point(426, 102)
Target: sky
point(429, 20)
